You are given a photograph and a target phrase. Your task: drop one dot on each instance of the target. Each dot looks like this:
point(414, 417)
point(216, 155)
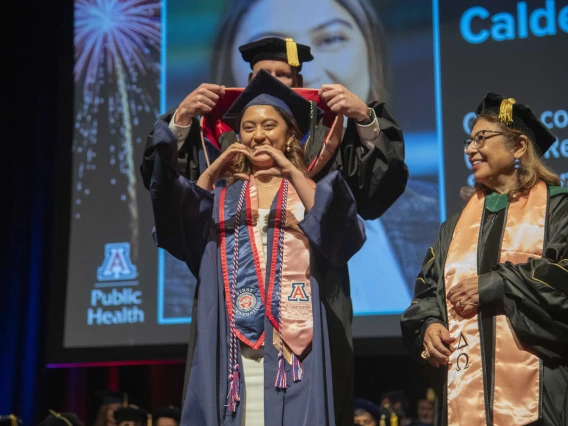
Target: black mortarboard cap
point(519, 117)
point(10, 420)
point(110, 397)
point(369, 407)
point(275, 48)
point(61, 419)
point(131, 413)
point(169, 411)
point(106, 397)
point(264, 89)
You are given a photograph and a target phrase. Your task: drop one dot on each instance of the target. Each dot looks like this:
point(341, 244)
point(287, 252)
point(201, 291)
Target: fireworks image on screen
point(117, 45)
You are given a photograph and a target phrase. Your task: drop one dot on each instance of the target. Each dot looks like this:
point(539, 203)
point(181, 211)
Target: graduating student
point(61, 419)
point(269, 248)
point(366, 413)
point(109, 402)
point(370, 156)
point(10, 420)
point(490, 311)
point(167, 416)
point(132, 415)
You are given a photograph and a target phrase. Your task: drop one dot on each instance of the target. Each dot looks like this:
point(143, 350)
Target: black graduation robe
point(537, 308)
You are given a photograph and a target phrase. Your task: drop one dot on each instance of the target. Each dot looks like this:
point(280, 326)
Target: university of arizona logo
point(247, 303)
point(298, 293)
point(117, 264)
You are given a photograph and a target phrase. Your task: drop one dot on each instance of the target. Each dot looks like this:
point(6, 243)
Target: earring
point(517, 164)
point(289, 145)
point(238, 137)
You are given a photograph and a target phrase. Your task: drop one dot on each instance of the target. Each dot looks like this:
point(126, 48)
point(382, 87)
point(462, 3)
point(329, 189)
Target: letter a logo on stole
point(117, 264)
point(298, 293)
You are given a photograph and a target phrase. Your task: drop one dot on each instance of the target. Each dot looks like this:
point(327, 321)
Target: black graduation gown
point(537, 309)
point(376, 177)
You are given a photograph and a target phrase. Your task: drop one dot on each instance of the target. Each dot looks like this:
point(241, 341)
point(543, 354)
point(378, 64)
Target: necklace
point(266, 186)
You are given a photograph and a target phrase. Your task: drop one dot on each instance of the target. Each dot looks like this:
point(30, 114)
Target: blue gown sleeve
point(332, 225)
point(182, 210)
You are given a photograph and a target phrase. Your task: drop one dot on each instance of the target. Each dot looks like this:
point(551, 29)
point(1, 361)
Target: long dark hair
point(361, 11)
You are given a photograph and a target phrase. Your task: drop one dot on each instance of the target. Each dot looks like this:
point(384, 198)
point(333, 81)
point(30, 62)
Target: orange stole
point(516, 371)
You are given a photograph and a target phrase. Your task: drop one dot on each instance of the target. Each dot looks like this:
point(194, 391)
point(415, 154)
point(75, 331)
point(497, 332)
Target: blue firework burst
point(118, 31)
point(116, 41)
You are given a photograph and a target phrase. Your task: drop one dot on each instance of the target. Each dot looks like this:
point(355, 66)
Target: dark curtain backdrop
point(36, 154)
point(36, 138)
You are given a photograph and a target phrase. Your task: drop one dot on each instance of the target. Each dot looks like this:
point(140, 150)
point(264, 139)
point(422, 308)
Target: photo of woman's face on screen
point(336, 40)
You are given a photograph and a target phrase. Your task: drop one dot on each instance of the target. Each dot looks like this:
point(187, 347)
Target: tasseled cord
point(234, 397)
point(297, 369)
point(281, 381)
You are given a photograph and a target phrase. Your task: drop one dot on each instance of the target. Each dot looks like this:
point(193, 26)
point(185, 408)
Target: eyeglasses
point(479, 138)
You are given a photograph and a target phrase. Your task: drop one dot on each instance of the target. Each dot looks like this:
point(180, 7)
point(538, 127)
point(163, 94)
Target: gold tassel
point(59, 416)
point(506, 111)
point(430, 395)
point(292, 53)
point(382, 422)
point(393, 416)
point(125, 400)
point(393, 420)
point(149, 422)
point(14, 420)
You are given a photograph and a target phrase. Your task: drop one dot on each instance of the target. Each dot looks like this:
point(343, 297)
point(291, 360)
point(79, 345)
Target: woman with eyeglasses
point(489, 317)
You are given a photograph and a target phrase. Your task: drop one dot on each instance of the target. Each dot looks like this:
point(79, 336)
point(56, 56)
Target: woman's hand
point(221, 165)
point(285, 169)
point(282, 166)
point(437, 338)
point(464, 296)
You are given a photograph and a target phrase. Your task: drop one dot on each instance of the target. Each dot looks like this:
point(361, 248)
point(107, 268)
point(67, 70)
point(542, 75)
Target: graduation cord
point(281, 382)
point(233, 396)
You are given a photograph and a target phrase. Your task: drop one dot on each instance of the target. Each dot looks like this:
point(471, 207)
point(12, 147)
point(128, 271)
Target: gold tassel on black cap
point(393, 416)
point(383, 422)
point(430, 395)
point(506, 111)
point(292, 53)
point(14, 420)
point(393, 420)
point(59, 416)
